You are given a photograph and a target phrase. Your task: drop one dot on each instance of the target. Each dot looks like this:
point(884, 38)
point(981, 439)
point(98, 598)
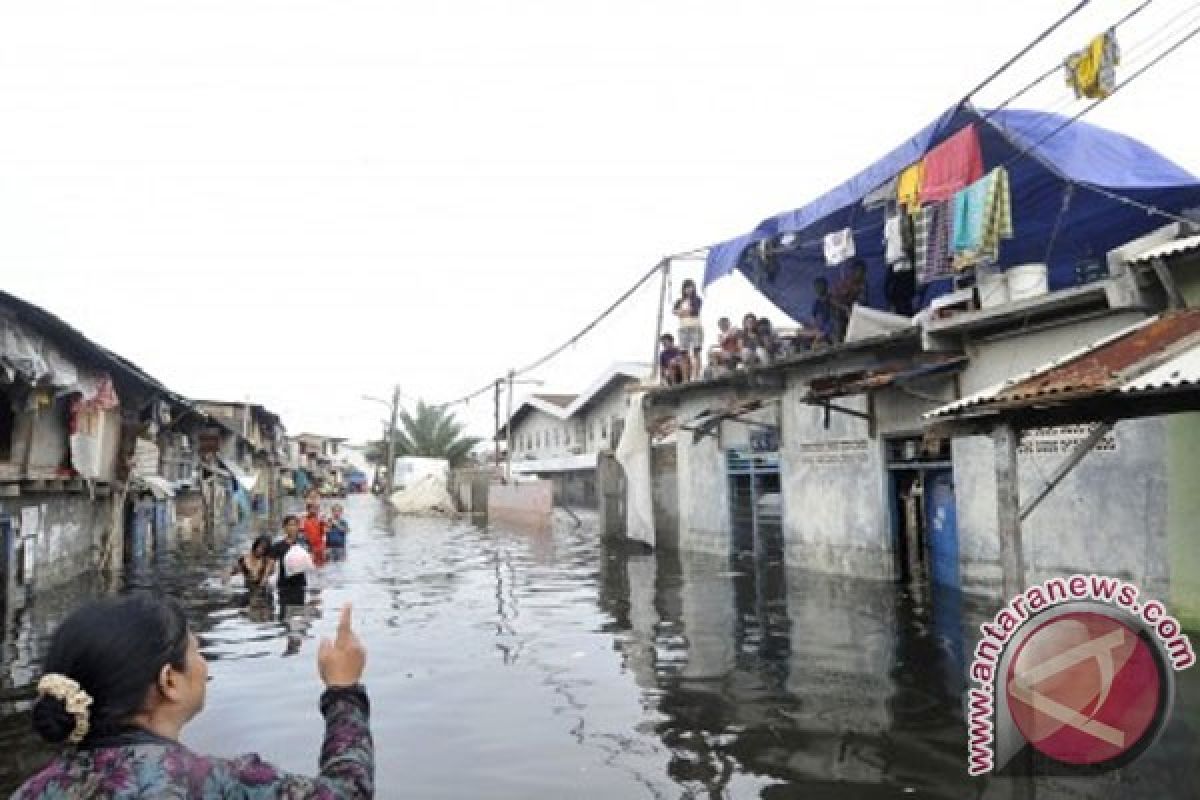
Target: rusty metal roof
point(1159, 353)
point(897, 372)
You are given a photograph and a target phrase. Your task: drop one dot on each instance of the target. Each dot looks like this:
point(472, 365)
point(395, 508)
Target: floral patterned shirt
point(139, 764)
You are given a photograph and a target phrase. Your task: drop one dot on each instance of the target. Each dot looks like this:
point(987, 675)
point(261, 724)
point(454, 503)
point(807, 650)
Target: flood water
point(508, 664)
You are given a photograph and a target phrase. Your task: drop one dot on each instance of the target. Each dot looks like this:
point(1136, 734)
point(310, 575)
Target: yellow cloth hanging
point(908, 185)
point(1091, 72)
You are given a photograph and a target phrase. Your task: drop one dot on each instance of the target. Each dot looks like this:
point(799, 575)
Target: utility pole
point(662, 302)
point(496, 437)
point(508, 437)
point(391, 442)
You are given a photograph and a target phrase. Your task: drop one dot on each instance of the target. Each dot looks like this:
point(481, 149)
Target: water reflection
point(549, 664)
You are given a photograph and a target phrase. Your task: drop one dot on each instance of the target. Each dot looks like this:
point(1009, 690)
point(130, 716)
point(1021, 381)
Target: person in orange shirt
point(313, 528)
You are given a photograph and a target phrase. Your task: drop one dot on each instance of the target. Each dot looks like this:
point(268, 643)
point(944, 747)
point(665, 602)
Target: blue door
point(8, 555)
point(942, 525)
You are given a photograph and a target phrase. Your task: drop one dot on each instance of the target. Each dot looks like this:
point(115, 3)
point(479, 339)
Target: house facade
point(828, 460)
point(560, 436)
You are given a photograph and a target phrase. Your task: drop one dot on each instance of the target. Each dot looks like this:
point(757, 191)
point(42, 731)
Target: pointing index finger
point(345, 626)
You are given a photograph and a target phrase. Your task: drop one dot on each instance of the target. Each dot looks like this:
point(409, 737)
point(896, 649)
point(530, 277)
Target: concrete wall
point(528, 503)
point(1183, 478)
point(835, 514)
point(704, 518)
point(62, 534)
point(1109, 515)
point(1183, 515)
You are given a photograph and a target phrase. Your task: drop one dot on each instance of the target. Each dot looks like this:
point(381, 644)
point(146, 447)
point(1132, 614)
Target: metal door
point(942, 527)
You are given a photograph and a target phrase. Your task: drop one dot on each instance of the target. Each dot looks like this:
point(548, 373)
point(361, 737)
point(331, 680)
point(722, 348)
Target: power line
point(1149, 209)
point(1057, 67)
point(491, 385)
point(1021, 53)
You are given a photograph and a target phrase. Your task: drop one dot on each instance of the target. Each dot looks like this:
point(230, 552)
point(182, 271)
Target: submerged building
point(842, 458)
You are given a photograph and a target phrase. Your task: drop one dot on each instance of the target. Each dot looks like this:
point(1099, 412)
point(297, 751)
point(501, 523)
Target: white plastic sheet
point(633, 454)
point(426, 495)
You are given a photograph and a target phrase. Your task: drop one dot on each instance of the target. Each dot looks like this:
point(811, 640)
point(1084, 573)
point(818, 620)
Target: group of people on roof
point(757, 342)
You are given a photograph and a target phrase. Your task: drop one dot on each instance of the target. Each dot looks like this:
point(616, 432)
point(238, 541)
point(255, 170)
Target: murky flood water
point(544, 665)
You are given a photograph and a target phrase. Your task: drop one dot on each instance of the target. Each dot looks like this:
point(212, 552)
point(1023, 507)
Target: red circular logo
point(1084, 688)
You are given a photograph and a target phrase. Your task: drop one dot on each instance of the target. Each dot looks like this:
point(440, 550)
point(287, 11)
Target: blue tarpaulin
point(1045, 180)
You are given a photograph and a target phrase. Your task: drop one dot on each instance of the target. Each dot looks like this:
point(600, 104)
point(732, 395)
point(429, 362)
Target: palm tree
point(431, 432)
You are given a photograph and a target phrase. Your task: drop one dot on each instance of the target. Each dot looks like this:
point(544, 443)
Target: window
point(591, 431)
point(556, 442)
point(603, 429)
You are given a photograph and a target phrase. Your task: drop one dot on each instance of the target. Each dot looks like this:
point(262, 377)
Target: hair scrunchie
point(76, 701)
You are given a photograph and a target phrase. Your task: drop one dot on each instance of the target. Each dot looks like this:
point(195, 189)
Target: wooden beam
point(1008, 509)
point(1076, 455)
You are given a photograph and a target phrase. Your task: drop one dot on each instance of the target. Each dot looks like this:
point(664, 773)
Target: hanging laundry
point(880, 196)
point(908, 185)
point(952, 165)
point(1092, 71)
point(982, 217)
point(931, 234)
point(893, 238)
point(968, 216)
point(839, 247)
point(997, 215)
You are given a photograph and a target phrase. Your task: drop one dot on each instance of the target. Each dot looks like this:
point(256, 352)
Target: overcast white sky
point(301, 201)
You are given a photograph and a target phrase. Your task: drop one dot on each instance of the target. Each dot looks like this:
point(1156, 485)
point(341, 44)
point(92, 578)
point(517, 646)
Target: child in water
point(335, 533)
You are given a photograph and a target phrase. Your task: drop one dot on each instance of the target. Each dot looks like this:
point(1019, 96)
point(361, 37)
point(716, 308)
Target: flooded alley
point(508, 664)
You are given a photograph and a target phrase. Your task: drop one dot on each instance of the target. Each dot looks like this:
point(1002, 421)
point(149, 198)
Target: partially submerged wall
point(60, 536)
point(1109, 515)
point(835, 503)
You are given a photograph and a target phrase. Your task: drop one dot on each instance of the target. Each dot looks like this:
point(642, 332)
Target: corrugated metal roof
point(1174, 248)
point(1158, 353)
point(1182, 370)
point(864, 380)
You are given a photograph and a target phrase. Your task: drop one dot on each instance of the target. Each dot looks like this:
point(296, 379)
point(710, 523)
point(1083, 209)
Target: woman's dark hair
point(262, 542)
point(683, 287)
point(114, 649)
point(290, 518)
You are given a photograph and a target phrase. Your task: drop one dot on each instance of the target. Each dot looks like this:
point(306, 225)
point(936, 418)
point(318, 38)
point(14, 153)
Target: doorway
point(664, 476)
point(922, 509)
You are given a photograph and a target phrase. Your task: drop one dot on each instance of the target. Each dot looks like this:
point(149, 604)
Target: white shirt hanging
point(839, 247)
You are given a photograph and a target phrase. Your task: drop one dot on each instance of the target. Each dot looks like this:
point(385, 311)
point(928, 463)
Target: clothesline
point(1029, 150)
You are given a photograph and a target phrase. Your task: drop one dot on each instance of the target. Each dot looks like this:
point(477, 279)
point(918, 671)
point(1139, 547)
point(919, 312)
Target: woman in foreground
point(124, 675)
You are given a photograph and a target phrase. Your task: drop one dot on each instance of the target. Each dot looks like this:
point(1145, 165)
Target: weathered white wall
point(599, 416)
point(66, 536)
point(835, 500)
point(1109, 515)
point(527, 441)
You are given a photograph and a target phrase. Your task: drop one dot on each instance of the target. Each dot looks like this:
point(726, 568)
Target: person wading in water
point(124, 675)
point(257, 566)
point(293, 564)
point(313, 527)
